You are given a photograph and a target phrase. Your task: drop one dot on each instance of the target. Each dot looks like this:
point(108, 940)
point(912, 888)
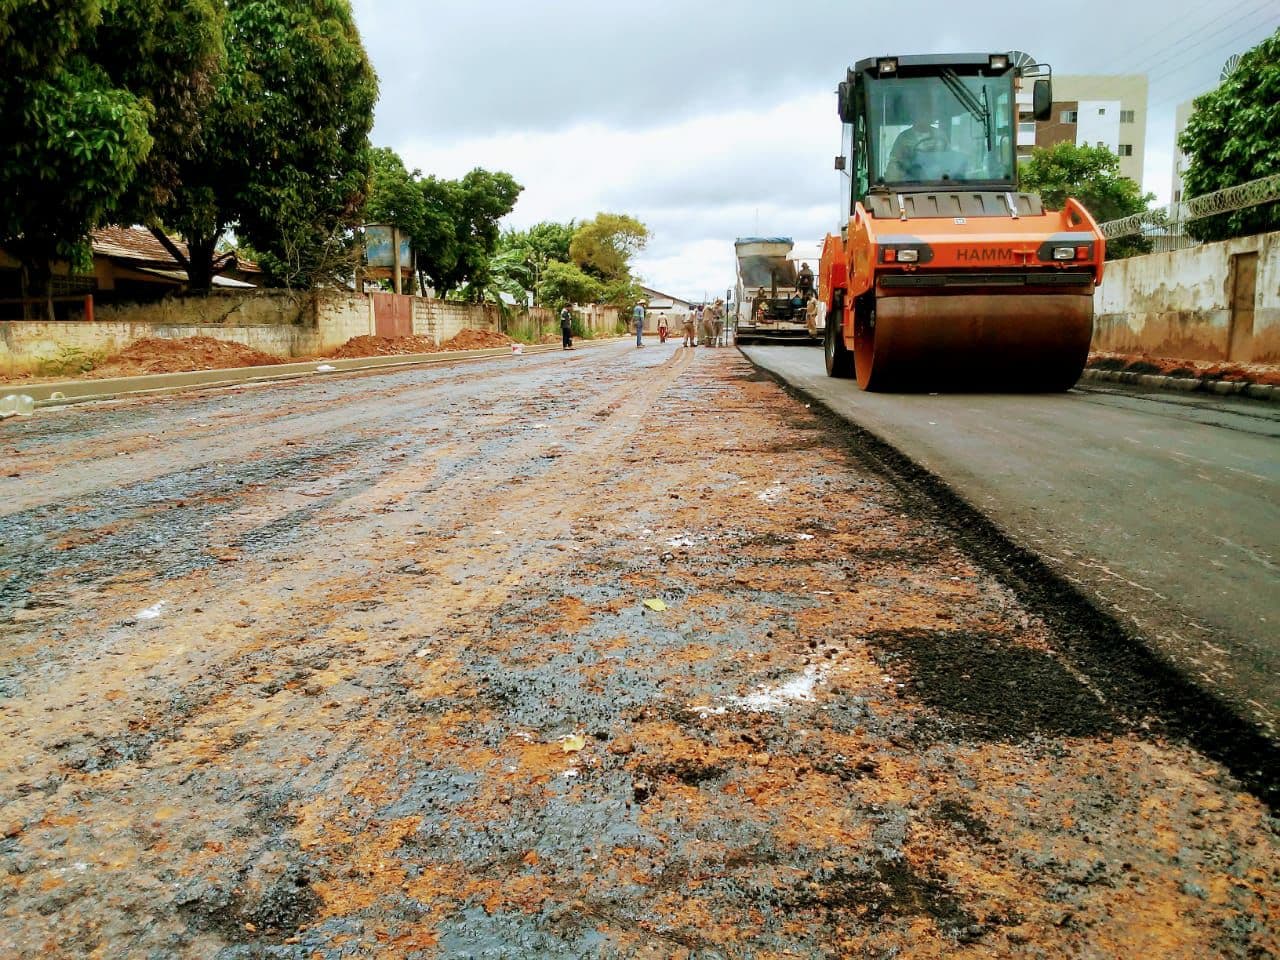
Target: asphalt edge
point(242, 376)
point(1151, 381)
point(1186, 710)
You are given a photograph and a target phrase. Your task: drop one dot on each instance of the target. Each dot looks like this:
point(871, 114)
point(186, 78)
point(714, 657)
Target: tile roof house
point(129, 265)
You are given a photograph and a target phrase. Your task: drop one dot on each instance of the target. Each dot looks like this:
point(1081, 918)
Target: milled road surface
point(620, 653)
point(1163, 506)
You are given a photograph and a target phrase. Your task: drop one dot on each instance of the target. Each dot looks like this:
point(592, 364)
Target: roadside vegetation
point(1234, 137)
point(1092, 176)
point(250, 119)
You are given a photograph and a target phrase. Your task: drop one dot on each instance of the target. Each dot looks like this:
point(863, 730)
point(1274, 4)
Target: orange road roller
point(946, 276)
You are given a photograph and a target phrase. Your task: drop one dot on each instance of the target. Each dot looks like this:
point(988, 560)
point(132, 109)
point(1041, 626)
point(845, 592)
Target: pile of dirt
point(181, 355)
point(476, 340)
point(1267, 373)
point(367, 346)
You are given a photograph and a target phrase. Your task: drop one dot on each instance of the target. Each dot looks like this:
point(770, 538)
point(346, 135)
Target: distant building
point(129, 266)
point(1181, 116)
point(663, 304)
point(1095, 111)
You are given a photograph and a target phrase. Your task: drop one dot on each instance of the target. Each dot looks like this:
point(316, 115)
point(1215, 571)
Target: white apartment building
point(1095, 111)
point(1180, 118)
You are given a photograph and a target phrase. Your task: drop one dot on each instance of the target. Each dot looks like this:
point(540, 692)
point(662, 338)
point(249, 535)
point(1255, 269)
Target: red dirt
point(367, 346)
point(180, 355)
point(159, 355)
point(476, 340)
point(1266, 373)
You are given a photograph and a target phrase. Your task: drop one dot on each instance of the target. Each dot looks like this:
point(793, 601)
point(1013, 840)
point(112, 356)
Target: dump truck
point(944, 274)
point(771, 300)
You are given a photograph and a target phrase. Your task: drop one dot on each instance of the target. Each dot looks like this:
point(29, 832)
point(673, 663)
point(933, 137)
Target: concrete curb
point(1150, 381)
point(156, 384)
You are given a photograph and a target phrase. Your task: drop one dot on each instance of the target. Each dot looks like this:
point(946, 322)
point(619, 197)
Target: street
point(1161, 506)
point(618, 653)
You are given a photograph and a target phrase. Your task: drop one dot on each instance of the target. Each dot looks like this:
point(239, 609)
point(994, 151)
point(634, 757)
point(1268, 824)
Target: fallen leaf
point(573, 743)
point(655, 605)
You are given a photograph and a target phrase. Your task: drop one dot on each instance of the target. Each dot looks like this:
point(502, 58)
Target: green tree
point(605, 246)
point(541, 244)
point(504, 274)
point(567, 283)
point(1234, 137)
point(96, 102)
point(395, 194)
point(1092, 176)
point(285, 157)
point(460, 229)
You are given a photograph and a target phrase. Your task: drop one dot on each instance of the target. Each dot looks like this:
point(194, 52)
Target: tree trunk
point(37, 281)
point(200, 263)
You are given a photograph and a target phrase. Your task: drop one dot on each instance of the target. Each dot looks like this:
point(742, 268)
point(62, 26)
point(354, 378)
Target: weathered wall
point(339, 316)
point(32, 346)
point(288, 325)
point(228, 307)
point(1178, 304)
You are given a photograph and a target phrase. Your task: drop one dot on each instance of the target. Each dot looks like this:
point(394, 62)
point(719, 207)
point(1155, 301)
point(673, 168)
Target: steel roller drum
point(974, 342)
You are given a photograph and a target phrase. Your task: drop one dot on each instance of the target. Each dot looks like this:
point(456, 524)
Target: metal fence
point(1166, 225)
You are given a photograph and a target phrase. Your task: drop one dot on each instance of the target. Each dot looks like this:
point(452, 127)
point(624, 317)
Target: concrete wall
point(339, 316)
point(33, 346)
point(227, 307)
point(284, 324)
point(1178, 304)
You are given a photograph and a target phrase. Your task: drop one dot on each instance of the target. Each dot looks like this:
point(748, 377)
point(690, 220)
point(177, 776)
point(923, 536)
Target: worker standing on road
point(637, 317)
point(811, 317)
point(662, 328)
point(717, 324)
point(566, 327)
point(690, 333)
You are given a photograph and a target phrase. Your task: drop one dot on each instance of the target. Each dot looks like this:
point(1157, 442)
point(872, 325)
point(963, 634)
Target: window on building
point(1126, 116)
point(1067, 116)
point(1027, 128)
point(1102, 111)
point(1125, 150)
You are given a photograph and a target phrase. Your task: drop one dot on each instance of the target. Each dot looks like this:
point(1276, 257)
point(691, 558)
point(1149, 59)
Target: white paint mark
point(151, 612)
point(766, 699)
point(772, 494)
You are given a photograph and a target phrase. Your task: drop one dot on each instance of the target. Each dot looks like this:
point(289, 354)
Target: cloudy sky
point(714, 120)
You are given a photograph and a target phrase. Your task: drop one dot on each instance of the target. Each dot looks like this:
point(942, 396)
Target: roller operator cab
point(943, 273)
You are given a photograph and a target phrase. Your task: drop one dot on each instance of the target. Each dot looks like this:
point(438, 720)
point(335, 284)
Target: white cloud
point(698, 182)
point(714, 120)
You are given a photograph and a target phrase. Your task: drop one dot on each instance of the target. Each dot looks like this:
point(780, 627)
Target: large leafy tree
point(1234, 137)
point(605, 246)
point(460, 229)
point(1092, 176)
point(566, 283)
point(395, 193)
point(97, 101)
point(542, 244)
point(286, 157)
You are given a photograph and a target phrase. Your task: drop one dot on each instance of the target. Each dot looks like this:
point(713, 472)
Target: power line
point(1157, 45)
point(1182, 65)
